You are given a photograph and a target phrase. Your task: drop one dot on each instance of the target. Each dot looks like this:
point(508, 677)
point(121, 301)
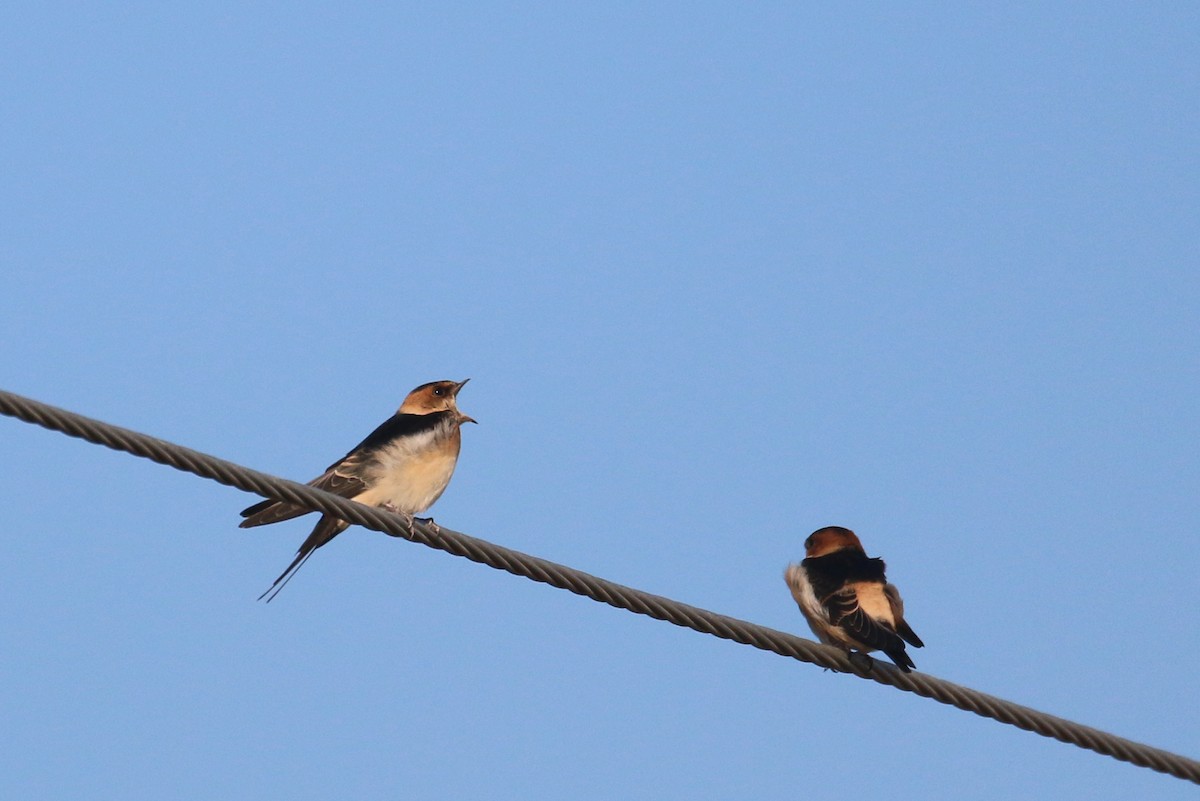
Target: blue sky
point(721, 275)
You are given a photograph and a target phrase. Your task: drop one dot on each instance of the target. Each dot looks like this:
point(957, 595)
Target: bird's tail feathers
point(908, 635)
point(326, 529)
point(901, 658)
point(286, 575)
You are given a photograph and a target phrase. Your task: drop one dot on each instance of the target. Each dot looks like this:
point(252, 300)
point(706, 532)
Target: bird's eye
point(439, 392)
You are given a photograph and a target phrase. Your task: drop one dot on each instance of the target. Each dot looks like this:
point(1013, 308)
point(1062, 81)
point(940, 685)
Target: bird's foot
point(428, 521)
point(408, 518)
point(861, 661)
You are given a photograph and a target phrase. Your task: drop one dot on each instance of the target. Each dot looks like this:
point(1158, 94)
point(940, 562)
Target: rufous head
point(830, 539)
point(436, 396)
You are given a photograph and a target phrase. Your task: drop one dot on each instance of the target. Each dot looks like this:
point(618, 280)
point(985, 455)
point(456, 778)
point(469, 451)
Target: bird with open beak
point(402, 466)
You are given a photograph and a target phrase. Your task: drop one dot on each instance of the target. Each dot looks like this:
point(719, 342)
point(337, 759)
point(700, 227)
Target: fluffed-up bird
point(846, 598)
point(403, 466)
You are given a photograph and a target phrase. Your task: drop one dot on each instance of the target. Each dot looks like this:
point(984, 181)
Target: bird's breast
point(816, 614)
point(412, 473)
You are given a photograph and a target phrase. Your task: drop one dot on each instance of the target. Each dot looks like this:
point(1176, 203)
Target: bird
point(846, 599)
point(402, 466)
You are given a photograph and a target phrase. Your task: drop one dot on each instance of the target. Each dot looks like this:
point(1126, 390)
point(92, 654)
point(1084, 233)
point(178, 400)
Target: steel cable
point(598, 589)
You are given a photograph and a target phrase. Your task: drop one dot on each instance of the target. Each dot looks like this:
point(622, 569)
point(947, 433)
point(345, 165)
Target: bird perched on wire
point(402, 466)
point(846, 599)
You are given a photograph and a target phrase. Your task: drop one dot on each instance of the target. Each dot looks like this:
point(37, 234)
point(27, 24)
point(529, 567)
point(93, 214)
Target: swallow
point(402, 466)
point(846, 599)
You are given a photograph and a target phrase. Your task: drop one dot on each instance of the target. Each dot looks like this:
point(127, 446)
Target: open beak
point(463, 418)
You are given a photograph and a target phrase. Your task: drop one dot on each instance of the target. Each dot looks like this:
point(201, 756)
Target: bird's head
point(436, 396)
point(830, 539)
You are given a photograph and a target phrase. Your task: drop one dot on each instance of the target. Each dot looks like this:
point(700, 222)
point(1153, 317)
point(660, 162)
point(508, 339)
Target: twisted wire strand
point(598, 589)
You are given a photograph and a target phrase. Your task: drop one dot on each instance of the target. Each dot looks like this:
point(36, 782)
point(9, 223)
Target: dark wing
point(834, 570)
point(341, 479)
point(344, 477)
point(396, 426)
point(826, 574)
point(846, 614)
point(902, 628)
